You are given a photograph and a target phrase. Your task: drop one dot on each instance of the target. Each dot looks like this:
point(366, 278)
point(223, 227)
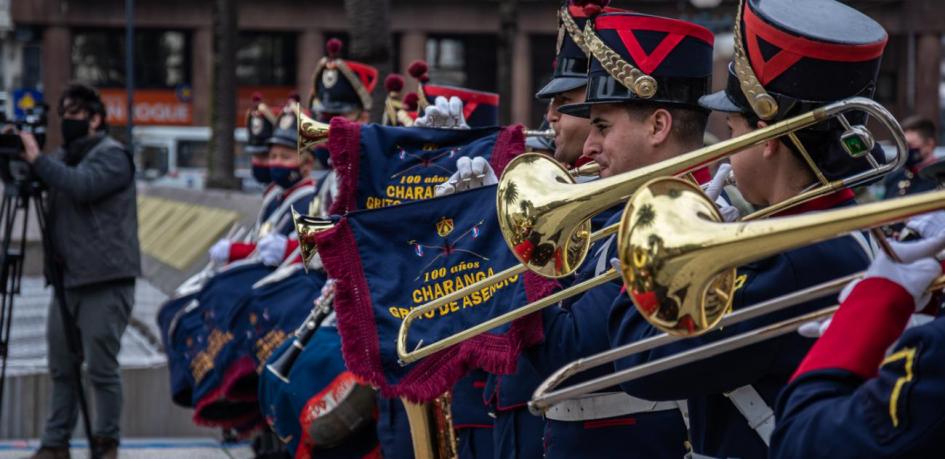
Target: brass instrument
point(543, 133)
point(431, 428)
point(539, 205)
point(307, 227)
point(311, 132)
point(678, 263)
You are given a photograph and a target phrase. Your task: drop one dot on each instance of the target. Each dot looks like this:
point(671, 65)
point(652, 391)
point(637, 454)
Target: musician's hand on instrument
point(714, 191)
point(814, 328)
point(271, 249)
point(220, 252)
point(470, 173)
point(444, 114)
point(928, 225)
point(916, 272)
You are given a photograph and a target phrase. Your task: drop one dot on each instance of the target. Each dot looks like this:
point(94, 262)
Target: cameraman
point(93, 229)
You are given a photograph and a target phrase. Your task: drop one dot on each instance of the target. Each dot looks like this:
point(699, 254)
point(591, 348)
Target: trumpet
point(307, 227)
point(544, 216)
point(310, 131)
point(678, 263)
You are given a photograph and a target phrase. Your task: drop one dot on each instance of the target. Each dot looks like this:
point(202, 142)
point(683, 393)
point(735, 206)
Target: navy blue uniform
point(839, 405)
point(575, 329)
point(716, 426)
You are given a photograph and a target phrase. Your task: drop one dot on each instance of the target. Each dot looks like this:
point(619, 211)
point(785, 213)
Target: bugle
point(307, 227)
point(310, 131)
point(541, 208)
point(678, 263)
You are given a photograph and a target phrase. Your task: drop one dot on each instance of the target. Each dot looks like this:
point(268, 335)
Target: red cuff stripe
point(241, 250)
point(870, 320)
point(290, 246)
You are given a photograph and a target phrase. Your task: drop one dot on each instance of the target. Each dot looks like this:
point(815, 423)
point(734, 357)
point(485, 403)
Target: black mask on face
point(915, 157)
point(74, 129)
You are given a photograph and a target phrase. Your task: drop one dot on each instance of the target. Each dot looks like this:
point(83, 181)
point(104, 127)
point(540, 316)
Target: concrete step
point(143, 448)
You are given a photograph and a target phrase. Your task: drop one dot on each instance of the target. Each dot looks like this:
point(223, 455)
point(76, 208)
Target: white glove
point(271, 249)
point(817, 329)
point(444, 114)
point(220, 252)
point(470, 173)
point(714, 191)
point(928, 225)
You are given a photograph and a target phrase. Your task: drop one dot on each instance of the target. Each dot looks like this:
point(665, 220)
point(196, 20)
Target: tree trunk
point(221, 152)
point(508, 29)
point(369, 29)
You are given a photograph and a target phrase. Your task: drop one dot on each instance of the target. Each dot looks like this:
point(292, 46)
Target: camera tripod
point(19, 191)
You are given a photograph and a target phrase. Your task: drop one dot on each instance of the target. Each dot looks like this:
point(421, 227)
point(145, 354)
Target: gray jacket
point(93, 214)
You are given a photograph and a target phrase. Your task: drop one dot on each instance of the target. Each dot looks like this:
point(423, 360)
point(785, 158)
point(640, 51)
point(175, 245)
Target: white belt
point(604, 405)
point(759, 415)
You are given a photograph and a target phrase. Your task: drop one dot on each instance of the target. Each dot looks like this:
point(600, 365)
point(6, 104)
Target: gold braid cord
point(573, 30)
point(643, 85)
point(761, 102)
point(356, 82)
point(322, 63)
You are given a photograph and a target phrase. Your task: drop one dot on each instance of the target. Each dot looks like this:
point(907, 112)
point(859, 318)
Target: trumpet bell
point(311, 132)
point(535, 212)
point(307, 227)
point(660, 267)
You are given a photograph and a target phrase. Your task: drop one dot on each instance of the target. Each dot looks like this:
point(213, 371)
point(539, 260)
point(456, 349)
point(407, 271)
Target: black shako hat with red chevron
point(792, 56)
point(571, 58)
point(640, 58)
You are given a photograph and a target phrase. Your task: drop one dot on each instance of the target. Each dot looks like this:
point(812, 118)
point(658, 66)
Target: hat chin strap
point(761, 102)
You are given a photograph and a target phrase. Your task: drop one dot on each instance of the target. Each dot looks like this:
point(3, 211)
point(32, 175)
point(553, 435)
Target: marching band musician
point(340, 87)
point(865, 389)
point(518, 433)
point(628, 130)
point(800, 55)
point(920, 135)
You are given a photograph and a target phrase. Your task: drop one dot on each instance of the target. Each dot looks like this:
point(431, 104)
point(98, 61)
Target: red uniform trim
point(870, 320)
point(601, 423)
point(290, 246)
point(676, 32)
point(794, 47)
point(241, 250)
point(822, 203)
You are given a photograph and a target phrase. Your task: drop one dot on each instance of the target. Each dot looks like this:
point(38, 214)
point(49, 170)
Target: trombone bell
point(311, 132)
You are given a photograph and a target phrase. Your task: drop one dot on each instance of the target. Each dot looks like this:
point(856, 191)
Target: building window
point(463, 60)
point(162, 58)
point(266, 59)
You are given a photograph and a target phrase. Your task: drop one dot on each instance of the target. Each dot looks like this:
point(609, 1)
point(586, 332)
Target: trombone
point(544, 216)
point(678, 263)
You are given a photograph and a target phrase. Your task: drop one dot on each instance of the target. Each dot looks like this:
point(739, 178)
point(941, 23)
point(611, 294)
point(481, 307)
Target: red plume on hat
point(257, 97)
point(410, 101)
point(333, 47)
point(418, 69)
point(394, 83)
point(591, 7)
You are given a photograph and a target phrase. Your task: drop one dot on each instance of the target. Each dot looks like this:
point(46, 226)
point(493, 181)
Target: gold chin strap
point(573, 30)
point(643, 85)
point(761, 102)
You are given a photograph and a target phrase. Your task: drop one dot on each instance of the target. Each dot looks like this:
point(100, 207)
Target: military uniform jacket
point(852, 398)
point(717, 428)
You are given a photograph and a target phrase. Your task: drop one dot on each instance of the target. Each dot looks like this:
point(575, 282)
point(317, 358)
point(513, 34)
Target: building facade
point(280, 42)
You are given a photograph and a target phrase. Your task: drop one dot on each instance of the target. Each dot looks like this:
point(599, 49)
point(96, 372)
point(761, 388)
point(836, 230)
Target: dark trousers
point(101, 312)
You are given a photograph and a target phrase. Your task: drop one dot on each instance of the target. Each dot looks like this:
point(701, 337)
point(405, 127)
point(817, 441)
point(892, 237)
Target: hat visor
point(559, 85)
point(583, 109)
point(720, 102)
point(256, 149)
point(283, 141)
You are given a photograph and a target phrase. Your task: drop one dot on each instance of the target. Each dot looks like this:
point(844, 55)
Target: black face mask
point(914, 158)
point(73, 130)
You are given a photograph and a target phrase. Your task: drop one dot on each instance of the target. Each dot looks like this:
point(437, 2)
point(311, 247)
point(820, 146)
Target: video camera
point(12, 168)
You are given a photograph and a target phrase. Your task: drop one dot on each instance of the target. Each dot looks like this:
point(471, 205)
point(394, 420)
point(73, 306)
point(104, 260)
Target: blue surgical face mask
point(284, 175)
point(261, 173)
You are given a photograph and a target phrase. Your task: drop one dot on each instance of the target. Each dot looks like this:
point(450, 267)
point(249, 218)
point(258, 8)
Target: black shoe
point(105, 447)
point(50, 452)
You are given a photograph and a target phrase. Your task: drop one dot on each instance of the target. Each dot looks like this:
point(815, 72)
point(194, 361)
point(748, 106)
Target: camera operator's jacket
point(92, 213)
